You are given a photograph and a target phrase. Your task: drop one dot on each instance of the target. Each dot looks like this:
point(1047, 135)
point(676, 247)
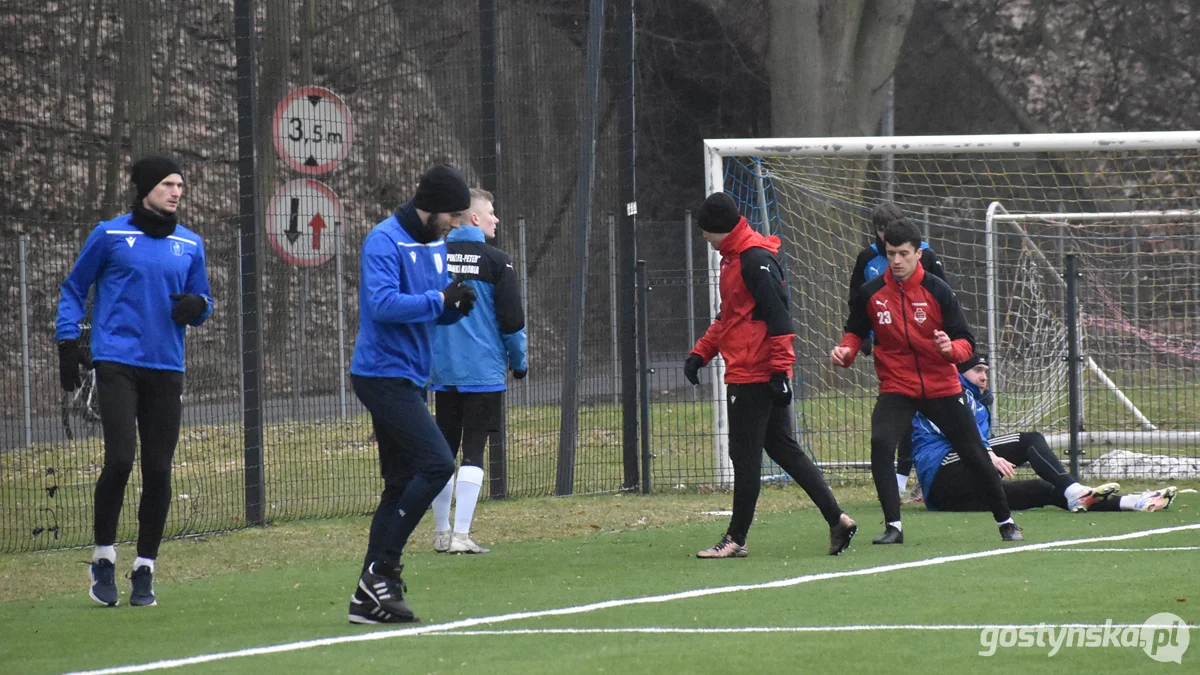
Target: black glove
point(188, 307)
point(691, 368)
point(520, 374)
point(460, 295)
point(867, 347)
point(70, 359)
point(781, 389)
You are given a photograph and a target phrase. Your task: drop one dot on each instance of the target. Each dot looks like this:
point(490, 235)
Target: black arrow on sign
point(314, 99)
point(311, 161)
point(293, 231)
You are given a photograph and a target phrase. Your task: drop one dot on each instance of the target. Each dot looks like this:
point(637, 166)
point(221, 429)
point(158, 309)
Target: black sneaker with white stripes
point(103, 577)
point(363, 610)
point(381, 588)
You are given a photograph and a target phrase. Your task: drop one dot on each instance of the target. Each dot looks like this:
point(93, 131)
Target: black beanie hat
point(719, 214)
point(148, 172)
point(978, 359)
point(442, 190)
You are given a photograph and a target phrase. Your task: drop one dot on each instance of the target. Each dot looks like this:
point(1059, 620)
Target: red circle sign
point(313, 130)
point(302, 222)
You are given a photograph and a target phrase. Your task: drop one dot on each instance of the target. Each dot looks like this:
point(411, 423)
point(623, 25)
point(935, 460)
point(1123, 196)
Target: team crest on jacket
point(437, 260)
point(919, 315)
point(176, 248)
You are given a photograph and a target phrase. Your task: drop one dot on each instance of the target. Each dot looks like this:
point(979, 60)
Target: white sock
point(902, 482)
point(146, 562)
point(441, 507)
point(108, 553)
point(896, 525)
point(470, 478)
point(1075, 491)
point(1004, 522)
point(1129, 502)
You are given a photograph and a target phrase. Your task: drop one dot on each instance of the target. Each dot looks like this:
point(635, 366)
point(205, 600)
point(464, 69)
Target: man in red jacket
point(754, 334)
point(920, 333)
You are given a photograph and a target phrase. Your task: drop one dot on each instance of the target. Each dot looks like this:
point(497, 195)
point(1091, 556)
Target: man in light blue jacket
point(471, 359)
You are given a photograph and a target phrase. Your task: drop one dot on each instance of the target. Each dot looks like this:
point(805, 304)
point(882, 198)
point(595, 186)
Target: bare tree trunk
point(272, 85)
point(137, 65)
point(94, 157)
point(167, 78)
point(114, 156)
point(830, 61)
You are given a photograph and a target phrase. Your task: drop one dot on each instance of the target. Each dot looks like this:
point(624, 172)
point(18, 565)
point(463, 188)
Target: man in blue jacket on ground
point(471, 360)
point(405, 289)
point(151, 283)
point(949, 486)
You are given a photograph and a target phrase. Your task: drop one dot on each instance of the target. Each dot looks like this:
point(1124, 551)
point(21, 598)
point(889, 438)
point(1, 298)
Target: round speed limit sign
point(313, 130)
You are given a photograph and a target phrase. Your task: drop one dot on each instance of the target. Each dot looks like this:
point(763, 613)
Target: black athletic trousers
point(955, 489)
point(137, 402)
point(468, 419)
point(755, 424)
point(414, 459)
point(892, 420)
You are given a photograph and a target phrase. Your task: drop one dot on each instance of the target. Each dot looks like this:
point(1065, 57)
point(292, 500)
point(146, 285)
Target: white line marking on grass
point(608, 604)
point(1124, 550)
point(788, 629)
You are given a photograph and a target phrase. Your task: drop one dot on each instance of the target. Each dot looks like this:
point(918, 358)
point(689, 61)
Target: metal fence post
point(612, 304)
point(22, 264)
point(1074, 359)
point(691, 291)
point(524, 297)
point(254, 483)
point(341, 319)
point(643, 285)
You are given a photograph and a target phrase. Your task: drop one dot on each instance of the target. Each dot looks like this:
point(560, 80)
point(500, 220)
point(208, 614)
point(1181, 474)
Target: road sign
point(313, 130)
point(301, 221)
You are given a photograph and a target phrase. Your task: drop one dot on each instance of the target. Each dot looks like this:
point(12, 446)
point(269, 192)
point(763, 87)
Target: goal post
point(1085, 194)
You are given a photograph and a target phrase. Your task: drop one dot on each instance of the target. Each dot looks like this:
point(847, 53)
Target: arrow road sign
point(313, 130)
point(298, 221)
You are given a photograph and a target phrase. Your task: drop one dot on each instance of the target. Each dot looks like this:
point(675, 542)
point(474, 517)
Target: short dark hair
point(885, 214)
point(902, 232)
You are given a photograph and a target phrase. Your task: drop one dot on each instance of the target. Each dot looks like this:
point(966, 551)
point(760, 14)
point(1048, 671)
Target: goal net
point(1002, 212)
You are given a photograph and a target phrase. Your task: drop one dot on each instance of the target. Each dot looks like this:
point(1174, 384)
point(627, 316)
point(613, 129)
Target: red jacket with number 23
point(753, 330)
point(904, 316)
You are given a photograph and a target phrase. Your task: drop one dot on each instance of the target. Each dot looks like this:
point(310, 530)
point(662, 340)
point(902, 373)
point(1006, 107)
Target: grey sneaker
point(726, 548)
point(441, 541)
point(462, 543)
point(1010, 532)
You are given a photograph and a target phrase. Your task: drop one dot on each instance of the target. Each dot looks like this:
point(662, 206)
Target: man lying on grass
point(948, 486)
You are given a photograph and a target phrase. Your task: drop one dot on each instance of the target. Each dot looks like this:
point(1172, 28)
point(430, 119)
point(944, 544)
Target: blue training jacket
point(399, 300)
point(135, 275)
point(475, 354)
point(930, 447)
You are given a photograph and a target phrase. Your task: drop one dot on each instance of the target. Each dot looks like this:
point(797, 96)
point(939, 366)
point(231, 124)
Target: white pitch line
point(608, 604)
point(1125, 550)
point(788, 629)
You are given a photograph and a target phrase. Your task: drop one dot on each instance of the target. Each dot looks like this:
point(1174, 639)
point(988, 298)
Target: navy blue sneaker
point(103, 574)
point(142, 588)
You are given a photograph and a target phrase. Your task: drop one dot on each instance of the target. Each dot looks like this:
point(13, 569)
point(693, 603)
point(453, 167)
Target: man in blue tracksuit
point(948, 486)
point(151, 283)
point(405, 289)
point(471, 360)
point(871, 263)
